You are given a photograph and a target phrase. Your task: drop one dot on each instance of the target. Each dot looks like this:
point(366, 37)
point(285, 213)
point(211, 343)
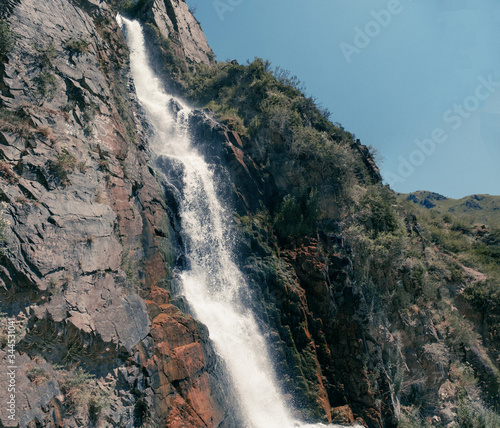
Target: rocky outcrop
point(176, 24)
point(426, 199)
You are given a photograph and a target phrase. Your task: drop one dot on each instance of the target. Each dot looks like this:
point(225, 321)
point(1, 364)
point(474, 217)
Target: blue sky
point(392, 72)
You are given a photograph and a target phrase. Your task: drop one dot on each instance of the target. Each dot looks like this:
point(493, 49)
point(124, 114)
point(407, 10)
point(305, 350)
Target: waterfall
point(212, 283)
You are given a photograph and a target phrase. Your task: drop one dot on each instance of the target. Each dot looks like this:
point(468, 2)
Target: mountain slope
point(473, 209)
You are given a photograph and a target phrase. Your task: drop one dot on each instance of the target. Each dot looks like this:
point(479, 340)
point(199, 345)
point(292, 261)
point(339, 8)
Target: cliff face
point(89, 237)
point(366, 317)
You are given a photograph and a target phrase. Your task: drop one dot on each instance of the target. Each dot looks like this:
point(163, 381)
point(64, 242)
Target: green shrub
point(476, 416)
point(76, 386)
point(82, 393)
point(7, 38)
point(46, 55)
point(46, 84)
point(379, 216)
point(229, 116)
point(411, 418)
point(63, 165)
point(37, 375)
point(98, 402)
point(438, 353)
point(78, 45)
point(15, 121)
point(4, 229)
point(297, 216)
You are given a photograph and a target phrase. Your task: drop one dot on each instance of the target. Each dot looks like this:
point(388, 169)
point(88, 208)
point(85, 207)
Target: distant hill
point(474, 208)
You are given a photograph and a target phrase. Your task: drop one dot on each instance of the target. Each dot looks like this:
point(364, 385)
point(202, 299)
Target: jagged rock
point(426, 199)
point(173, 17)
point(342, 415)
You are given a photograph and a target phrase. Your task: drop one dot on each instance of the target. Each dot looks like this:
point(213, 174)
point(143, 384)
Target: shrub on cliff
point(471, 415)
point(82, 393)
point(285, 131)
point(379, 215)
point(4, 228)
point(7, 38)
point(63, 165)
point(297, 216)
point(77, 45)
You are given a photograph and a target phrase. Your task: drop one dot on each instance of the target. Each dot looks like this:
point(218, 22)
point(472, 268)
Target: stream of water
point(212, 283)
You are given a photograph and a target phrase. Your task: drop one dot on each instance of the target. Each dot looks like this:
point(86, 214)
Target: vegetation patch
point(297, 216)
point(131, 7)
point(37, 375)
point(46, 84)
point(7, 173)
point(16, 121)
point(83, 394)
point(78, 45)
point(4, 229)
point(63, 165)
point(7, 38)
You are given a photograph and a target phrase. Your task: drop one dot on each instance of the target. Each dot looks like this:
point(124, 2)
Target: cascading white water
point(213, 283)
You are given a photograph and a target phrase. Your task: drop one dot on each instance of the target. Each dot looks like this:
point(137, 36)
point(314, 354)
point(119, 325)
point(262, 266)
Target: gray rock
point(174, 16)
point(30, 397)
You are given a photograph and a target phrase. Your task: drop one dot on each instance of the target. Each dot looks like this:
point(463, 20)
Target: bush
point(411, 418)
point(64, 164)
point(46, 55)
point(438, 353)
point(379, 215)
point(46, 84)
point(228, 116)
point(81, 393)
point(76, 389)
point(4, 228)
point(15, 121)
point(7, 38)
point(98, 401)
point(476, 416)
point(78, 45)
point(297, 216)
point(37, 376)
point(7, 173)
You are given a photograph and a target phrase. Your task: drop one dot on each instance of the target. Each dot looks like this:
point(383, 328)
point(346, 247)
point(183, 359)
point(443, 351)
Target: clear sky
point(392, 72)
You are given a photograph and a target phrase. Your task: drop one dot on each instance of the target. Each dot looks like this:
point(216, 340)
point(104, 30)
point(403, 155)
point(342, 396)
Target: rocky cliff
point(89, 238)
point(367, 317)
